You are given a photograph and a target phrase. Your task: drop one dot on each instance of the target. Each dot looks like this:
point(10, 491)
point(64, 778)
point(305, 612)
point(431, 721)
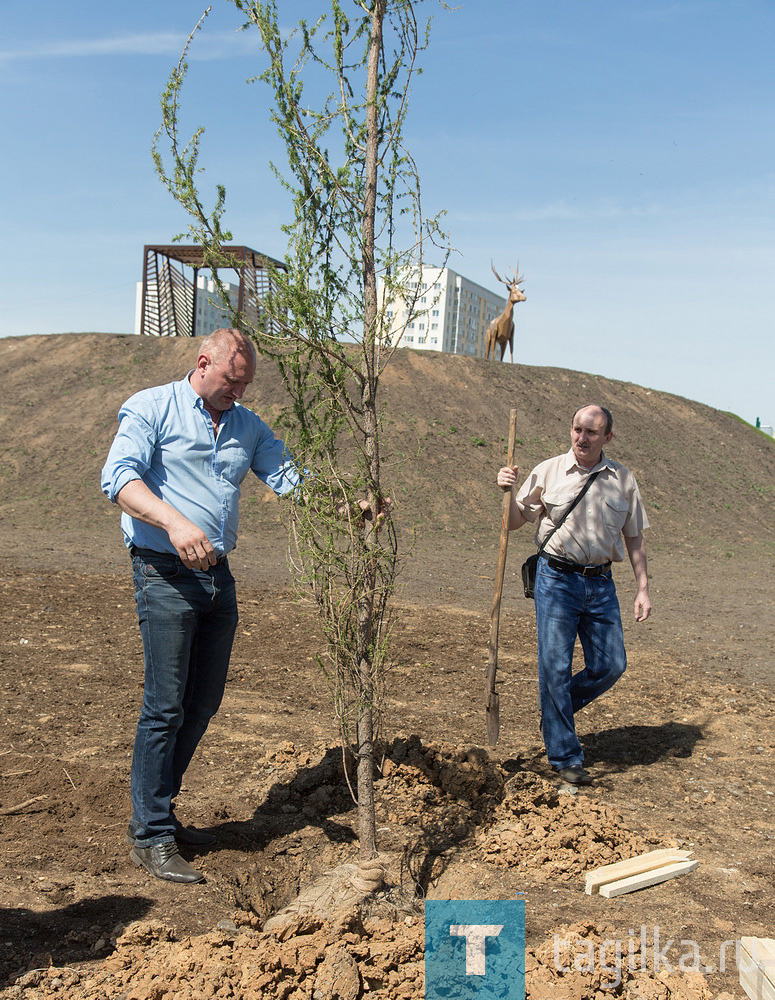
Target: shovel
point(493, 698)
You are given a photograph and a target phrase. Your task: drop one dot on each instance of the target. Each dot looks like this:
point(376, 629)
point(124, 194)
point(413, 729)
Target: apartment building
point(452, 313)
point(209, 315)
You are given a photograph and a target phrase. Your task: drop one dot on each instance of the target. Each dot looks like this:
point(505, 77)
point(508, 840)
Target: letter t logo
point(475, 935)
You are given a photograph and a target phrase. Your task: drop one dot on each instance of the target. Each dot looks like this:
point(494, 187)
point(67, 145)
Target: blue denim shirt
point(165, 438)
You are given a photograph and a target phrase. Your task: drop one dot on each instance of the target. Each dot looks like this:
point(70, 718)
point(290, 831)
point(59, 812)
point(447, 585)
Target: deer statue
point(501, 330)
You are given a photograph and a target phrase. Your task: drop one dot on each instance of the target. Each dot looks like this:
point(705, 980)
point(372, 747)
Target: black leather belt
point(572, 567)
point(153, 554)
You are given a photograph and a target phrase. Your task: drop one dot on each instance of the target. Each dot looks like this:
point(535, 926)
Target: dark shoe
point(164, 861)
point(575, 775)
point(185, 835)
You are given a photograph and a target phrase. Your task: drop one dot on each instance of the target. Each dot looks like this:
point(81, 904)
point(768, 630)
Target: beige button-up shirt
point(592, 534)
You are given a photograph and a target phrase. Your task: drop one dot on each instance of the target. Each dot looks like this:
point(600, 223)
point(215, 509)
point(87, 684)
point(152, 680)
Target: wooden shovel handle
point(493, 699)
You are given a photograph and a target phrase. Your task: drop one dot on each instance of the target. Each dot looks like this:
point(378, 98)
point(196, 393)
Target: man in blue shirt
point(175, 469)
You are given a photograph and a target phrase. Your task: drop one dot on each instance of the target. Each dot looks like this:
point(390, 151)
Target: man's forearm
point(189, 541)
point(516, 517)
point(139, 502)
point(636, 550)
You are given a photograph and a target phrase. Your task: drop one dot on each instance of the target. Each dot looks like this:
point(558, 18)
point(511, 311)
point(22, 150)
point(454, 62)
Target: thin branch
point(11, 810)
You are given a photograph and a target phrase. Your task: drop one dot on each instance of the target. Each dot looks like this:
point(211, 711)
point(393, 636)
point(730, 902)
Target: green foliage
point(355, 194)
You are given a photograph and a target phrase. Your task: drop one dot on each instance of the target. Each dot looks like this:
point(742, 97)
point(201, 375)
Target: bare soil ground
point(682, 748)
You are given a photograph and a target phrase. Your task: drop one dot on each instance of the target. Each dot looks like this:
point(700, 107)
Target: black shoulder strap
point(579, 496)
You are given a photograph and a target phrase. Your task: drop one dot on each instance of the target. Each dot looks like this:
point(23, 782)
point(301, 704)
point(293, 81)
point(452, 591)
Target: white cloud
point(207, 45)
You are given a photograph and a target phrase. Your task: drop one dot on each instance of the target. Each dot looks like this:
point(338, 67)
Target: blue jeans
point(567, 605)
point(187, 620)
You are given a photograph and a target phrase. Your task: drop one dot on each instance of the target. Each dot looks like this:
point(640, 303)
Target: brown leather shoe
point(164, 861)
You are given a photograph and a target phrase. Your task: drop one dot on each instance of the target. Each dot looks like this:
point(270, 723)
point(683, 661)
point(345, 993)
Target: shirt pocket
point(232, 461)
point(556, 503)
point(615, 511)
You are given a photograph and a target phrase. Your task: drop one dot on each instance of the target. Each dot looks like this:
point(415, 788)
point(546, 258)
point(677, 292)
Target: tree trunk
point(365, 729)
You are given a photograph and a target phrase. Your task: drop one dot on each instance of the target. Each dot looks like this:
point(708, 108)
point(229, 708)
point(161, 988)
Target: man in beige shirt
point(574, 589)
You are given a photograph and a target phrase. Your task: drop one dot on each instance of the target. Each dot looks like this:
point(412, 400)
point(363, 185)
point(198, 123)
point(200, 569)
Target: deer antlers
point(516, 280)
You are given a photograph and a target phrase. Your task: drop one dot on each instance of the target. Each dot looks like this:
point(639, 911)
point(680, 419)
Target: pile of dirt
point(435, 798)
point(345, 957)
point(438, 785)
point(583, 962)
point(556, 835)
point(517, 820)
point(342, 957)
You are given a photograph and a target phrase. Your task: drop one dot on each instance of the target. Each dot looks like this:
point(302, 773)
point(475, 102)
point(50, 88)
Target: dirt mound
point(345, 957)
point(585, 962)
point(446, 422)
point(517, 820)
point(555, 835)
point(341, 957)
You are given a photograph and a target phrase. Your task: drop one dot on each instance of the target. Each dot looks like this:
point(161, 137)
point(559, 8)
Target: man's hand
point(385, 506)
point(642, 605)
point(507, 476)
point(192, 545)
point(383, 514)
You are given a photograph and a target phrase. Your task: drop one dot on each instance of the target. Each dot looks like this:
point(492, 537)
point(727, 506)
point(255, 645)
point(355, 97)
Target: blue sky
point(622, 152)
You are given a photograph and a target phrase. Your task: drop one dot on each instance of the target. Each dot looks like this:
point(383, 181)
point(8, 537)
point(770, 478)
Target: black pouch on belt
point(529, 567)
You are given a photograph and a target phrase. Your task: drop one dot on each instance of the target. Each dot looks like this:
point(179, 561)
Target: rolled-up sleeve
point(529, 498)
point(131, 452)
point(274, 464)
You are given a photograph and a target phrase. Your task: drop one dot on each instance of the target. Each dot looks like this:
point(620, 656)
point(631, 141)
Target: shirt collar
point(188, 391)
point(571, 463)
point(196, 400)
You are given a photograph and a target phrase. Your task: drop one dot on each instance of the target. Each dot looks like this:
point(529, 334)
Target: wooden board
point(644, 879)
point(756, 984)
point(757, 974)
point(633, 866)
point(764, 948)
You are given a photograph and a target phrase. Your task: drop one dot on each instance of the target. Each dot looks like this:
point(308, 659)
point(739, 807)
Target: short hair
point(609, 419)
point(221, 343)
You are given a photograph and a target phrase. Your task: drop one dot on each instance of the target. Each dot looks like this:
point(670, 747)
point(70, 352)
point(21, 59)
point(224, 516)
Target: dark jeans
point(567, 605)
point(187, 620)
